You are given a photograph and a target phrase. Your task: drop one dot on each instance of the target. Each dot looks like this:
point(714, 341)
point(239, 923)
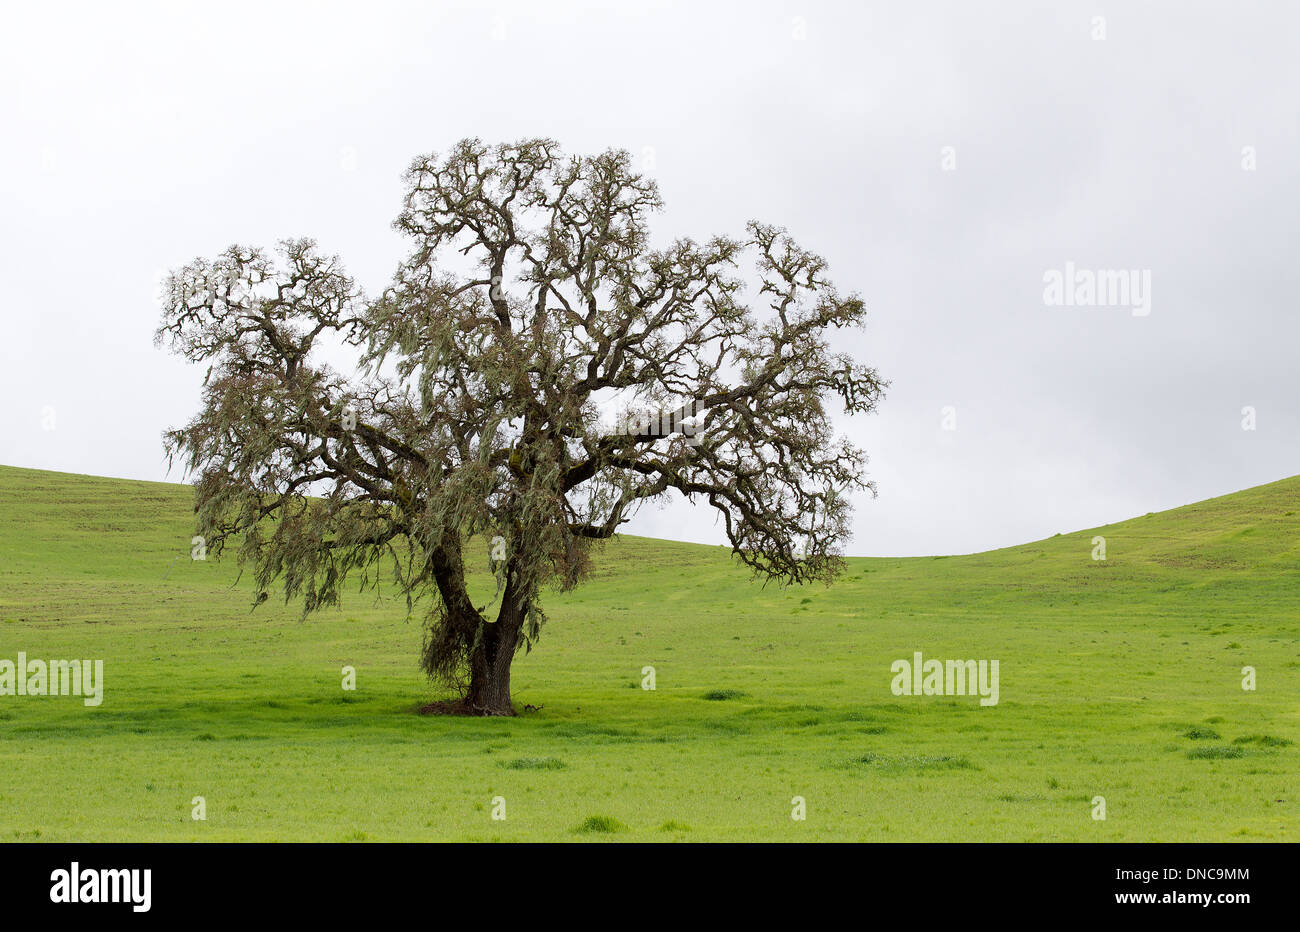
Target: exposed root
point(459, 707)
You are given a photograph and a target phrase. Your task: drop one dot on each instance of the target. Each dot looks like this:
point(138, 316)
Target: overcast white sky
point(136, 137)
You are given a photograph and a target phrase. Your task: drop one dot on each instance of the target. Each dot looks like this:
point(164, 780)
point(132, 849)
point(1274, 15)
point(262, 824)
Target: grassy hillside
point(1119, 678)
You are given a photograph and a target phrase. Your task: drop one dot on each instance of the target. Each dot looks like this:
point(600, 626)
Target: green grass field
point(1120, 679)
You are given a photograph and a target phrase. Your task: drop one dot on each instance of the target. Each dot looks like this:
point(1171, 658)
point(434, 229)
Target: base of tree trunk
point(460, 707)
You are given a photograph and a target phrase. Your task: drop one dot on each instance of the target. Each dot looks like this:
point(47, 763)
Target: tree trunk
point(489, 668)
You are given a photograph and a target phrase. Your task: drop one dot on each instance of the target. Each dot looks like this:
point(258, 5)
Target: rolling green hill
point(1119, 678)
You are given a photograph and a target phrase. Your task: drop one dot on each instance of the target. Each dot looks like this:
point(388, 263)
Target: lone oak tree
point(470, 405)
